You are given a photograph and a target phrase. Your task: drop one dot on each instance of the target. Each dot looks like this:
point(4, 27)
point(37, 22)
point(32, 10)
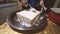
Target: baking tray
point(12, 21)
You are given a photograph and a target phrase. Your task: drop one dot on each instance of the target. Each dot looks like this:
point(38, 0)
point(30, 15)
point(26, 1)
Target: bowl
point(12, 21)
point(54, 15)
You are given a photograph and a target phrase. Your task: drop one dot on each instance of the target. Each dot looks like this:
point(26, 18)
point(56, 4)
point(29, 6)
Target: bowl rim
point(53, 9)
point(33, 28)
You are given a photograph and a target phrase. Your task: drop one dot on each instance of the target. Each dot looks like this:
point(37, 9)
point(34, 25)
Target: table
point(51, 28)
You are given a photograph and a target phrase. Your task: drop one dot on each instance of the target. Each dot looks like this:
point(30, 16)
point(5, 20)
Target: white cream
point(29, 17)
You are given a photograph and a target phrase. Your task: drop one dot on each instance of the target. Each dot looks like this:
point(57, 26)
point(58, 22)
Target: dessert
point(29, 17)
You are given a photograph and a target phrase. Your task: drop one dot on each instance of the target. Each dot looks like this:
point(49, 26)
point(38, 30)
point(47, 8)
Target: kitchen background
point(9, 6)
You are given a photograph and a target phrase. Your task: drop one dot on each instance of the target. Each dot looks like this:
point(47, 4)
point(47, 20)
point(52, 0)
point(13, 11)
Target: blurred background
point(49, 3)
point(8, 6)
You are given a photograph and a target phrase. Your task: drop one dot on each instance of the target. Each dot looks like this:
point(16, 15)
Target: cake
point(29, 17)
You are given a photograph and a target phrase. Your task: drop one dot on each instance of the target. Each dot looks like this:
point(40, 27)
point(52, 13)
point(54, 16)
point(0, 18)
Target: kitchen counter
point(51, 28)
point(6, 9)
point(7, 5)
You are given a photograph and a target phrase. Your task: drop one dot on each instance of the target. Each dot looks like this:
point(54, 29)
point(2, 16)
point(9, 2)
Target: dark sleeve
point(37, 6)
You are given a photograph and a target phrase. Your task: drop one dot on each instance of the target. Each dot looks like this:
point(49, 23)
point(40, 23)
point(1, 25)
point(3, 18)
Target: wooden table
point(50, 29)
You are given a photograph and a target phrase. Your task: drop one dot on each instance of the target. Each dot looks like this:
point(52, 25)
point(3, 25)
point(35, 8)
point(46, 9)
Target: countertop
point(7, 5)
point(51, 28)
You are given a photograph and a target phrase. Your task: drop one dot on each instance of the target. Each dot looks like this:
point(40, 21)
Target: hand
point(42, 5)
point(24, 1)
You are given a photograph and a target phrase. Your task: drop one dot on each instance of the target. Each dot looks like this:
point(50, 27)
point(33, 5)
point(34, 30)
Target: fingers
point(42, 5)
point(24, 1)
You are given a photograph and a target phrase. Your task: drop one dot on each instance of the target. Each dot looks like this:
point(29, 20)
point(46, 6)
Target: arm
point(41, 3)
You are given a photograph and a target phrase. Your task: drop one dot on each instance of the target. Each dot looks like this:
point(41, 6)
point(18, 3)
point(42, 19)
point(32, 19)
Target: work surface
point(51, 28)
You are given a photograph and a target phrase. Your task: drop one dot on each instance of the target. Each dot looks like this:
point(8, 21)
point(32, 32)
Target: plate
point(12, 21)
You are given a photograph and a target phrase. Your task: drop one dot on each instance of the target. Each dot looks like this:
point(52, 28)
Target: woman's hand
point(24, 1)
point(42, 5)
